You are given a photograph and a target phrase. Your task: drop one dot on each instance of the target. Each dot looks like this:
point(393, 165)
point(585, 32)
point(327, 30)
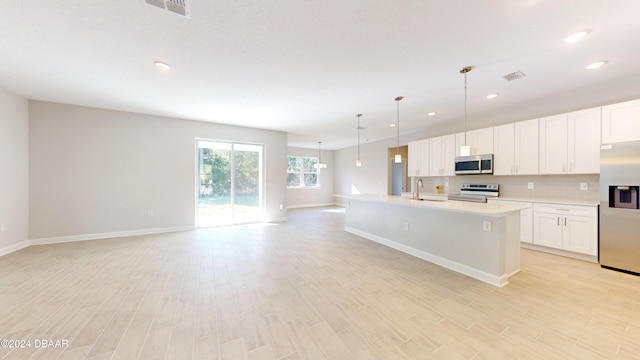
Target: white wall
point(97, 171)
point(14, 174)
point(373, 176)
point(321, 196)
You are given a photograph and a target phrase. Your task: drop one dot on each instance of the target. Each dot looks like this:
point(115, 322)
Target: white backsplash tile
point(561, 187)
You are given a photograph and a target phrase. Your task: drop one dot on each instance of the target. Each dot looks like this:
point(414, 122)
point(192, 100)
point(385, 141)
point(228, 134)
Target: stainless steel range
point(476, 192)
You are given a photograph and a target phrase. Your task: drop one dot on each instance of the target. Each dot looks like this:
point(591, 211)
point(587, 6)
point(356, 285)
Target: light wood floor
point(303, 290)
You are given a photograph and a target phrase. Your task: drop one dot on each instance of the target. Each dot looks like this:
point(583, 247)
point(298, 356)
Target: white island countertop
point(440, 202)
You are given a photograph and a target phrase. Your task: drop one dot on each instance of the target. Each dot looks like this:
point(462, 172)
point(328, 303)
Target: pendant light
point(465, 150)
point(358, 162)
point(320, 164)
point(398, 157)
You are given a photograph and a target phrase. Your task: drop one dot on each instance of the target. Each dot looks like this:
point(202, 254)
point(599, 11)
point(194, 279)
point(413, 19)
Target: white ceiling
point(307, 67)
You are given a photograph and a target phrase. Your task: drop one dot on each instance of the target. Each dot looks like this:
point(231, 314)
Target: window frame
point(302, 172)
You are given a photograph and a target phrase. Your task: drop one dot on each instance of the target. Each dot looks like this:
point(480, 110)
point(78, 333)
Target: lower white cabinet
point(526, 225)
point(567, 227)
point(571, 228)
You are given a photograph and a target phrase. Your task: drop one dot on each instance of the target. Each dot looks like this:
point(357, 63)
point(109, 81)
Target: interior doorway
point(229, 183)
point(399, 182)
point(397, 175)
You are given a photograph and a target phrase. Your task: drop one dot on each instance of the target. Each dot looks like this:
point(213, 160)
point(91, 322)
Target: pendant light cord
point(464, 71)
point(465, 108)
point(359, 115)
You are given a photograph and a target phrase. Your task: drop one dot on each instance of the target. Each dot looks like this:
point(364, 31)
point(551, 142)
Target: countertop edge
point(484, 209)
point(549, 201)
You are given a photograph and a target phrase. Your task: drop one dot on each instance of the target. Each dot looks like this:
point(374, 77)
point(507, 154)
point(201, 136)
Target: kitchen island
point(476, 239)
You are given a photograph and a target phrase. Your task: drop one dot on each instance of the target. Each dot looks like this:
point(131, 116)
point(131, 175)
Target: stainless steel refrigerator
point(619, 242)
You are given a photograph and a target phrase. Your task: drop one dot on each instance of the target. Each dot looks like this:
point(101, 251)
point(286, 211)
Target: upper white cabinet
point(515, 148)
point(442, 151)
point(553, 144)
point(504, 142)
point(418, 158)
point(569, 143)
point(583, 143)
point(621, 122)
point(481, 141)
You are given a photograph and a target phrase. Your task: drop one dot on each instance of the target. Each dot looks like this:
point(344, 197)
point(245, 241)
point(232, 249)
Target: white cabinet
point(526, 225)
point(567, 227)
point(504, 142)
point(526, 218)
point(526, 147)
point(580, 234)
point(583, 142)
point(621, 122)
point(515, 148)
point(418, 158)
point(481, 141)
point(553, 144)
point(569, 143)
point(547, 229)
point(442, 151)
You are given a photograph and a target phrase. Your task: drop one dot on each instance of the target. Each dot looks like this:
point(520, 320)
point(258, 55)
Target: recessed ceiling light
point(433, 113)
point(392, 125)
point(576, 36)
point(162, 66)
point(492, 96)
point(595, 65)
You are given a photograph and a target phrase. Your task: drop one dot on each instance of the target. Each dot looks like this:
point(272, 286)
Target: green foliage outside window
point(301, 172)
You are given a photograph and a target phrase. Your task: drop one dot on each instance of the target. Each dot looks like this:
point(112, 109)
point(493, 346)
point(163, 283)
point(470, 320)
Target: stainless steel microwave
point(474, 164)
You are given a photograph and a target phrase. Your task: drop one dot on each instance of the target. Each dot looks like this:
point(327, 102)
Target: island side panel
point(452, 239)
point(511, 237)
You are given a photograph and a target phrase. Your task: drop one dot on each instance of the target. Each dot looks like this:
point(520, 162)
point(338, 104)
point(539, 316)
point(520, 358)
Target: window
point(301, 172)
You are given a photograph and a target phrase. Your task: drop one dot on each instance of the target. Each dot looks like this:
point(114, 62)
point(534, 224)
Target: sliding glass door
point(230, 186)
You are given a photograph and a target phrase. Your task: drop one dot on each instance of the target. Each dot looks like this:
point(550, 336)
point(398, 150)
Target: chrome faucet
point(418, 182)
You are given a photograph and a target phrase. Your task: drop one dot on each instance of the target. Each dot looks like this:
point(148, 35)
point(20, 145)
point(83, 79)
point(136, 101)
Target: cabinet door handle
point(558, 219)
point(516, 169)
point(565, 222)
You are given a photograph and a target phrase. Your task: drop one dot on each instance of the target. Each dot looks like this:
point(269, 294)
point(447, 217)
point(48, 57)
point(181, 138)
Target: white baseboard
point(15, 247)
point(569, 254)
point(117, 234)
point(277, 219)
point(451, 265)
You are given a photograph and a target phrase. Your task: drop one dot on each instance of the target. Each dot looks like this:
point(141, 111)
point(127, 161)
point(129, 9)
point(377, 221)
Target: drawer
point(560, 209)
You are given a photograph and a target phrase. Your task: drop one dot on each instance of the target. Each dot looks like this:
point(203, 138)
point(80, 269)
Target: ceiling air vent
point(514, 75)
point(180, 7)
point(158, 3)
